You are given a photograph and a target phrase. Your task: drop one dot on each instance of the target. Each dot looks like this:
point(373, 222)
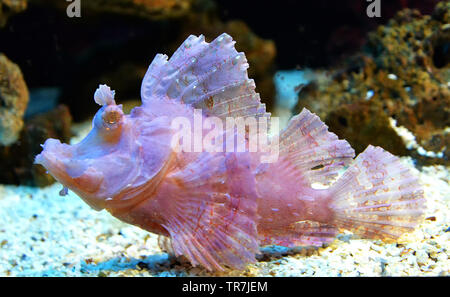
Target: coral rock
point(371, 124)
point(13, 101)
point(404, 72)
point(16, 161)
point(10, 7)
point(151, 9)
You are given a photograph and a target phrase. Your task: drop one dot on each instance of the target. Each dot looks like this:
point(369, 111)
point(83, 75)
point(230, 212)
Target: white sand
point(44, 234)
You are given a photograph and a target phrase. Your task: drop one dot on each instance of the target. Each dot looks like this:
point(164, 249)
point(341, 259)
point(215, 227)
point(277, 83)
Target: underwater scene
point(224, 138)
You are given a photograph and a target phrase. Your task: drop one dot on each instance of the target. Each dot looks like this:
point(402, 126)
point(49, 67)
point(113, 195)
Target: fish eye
point(112, 116)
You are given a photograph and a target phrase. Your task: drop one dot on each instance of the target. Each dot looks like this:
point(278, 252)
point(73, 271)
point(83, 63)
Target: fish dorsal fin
point(213, 217)
point(311, 148)
point(208, 76)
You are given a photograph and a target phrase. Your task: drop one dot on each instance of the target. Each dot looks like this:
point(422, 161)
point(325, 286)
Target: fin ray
point(207, 76)
point(303, 233)
point(315, 151)
point(215, 212)
point(378, 197)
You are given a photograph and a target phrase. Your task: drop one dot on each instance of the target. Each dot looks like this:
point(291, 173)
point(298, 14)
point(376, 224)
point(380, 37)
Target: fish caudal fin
point(377, 197)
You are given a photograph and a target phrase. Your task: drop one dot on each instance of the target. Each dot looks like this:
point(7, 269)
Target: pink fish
point(217, 208)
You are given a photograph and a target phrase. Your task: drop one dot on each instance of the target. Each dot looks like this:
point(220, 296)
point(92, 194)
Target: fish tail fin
point(377, 197)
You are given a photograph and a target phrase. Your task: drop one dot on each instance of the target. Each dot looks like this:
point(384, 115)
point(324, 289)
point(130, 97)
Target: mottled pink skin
point(288, 201)
point(217, 208)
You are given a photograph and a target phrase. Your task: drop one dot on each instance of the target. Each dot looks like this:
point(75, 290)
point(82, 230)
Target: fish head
point(101, 164)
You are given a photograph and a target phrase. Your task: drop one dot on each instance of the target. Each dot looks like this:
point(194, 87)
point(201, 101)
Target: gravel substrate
point(44, 234)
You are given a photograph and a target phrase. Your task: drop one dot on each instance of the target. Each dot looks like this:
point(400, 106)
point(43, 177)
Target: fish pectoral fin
point(213, 233)
point(215, 214)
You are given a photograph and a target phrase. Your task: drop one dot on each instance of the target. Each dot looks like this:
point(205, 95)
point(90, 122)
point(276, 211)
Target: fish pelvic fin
point(377, 197)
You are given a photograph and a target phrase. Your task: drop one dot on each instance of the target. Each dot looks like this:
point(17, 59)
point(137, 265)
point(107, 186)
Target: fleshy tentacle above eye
point(211, 76)
point(104, 95)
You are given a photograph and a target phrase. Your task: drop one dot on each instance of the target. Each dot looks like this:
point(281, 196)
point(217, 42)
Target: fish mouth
point(73, 173)
point(52, 156)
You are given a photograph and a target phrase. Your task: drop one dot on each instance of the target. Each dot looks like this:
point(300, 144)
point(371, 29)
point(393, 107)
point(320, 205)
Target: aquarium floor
point(44, 234)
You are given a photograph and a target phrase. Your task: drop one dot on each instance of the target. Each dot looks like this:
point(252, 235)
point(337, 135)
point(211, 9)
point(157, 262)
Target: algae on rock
point(403, 73)
point(16, 160)
point(10, 7)
point(150, 9)
point(13, 101)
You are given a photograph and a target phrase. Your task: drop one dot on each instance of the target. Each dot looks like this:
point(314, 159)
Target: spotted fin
point(208, 76)
point(214, 213)
point(314, 151)
point(378, 197)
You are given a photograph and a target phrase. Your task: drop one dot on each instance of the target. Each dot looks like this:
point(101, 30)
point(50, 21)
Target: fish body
point(217, 207)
